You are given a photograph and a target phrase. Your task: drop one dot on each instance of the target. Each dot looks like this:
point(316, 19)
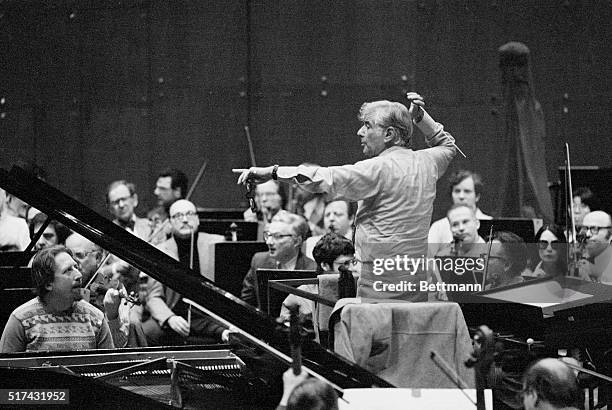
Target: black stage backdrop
point(100, 90)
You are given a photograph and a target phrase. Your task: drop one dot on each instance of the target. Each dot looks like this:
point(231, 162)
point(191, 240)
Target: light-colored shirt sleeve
point(362, 180)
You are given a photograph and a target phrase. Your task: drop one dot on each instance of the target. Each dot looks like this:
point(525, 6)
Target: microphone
point(456, 245)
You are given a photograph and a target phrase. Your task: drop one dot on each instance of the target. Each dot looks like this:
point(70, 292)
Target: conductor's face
point(372, 135)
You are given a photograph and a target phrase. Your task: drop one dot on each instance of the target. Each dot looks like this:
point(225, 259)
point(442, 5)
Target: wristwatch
point(275, 172)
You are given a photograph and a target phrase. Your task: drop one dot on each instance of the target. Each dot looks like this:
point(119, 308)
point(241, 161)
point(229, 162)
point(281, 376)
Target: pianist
point(57, 319)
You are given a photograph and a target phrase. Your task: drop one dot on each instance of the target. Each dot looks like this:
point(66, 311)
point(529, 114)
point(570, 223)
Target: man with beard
point(57, 319)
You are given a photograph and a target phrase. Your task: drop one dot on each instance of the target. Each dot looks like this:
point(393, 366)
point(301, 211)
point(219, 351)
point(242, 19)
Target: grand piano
point(246, 373)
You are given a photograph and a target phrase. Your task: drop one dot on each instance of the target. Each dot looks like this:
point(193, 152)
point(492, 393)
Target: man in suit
point(164, 317)
point(122, 200)
point(284, 237)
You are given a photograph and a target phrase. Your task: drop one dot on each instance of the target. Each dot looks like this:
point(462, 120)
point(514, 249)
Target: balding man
point(284, 237)
point(105, 289)
point(464, 229)
point(550, 384)
point(166, 322)
point(597, 231)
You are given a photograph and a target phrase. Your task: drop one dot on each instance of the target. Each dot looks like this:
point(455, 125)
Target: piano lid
point(163, 268)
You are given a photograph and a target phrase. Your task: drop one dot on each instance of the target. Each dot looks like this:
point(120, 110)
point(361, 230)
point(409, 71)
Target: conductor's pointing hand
point(254, 174)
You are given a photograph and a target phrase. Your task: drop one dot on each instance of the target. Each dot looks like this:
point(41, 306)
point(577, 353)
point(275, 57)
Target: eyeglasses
point(118, 201)
point(83, 255)
point(555, 245)
point(275, 236)
point(349, 262)
point(594, 229)
point(180, 215)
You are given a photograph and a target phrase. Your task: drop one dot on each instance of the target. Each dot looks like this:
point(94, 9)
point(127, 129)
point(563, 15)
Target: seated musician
point(122, 200)
point(54, 234)
point(57, 319)
point(507, 260)
point(171, 185)
point(550, 384)
point(464, 229)
point(331, 252)
point(552, 251)
point(583, 202)
point(465, 188)
point(597, 264)
point(337, 217)
point(270, 198)
point(14, 234)
point(164, 316)
point(284, 237)
point(104, 289)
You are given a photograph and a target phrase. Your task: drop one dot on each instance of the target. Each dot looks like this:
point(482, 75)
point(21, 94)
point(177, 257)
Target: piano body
point(244, 374)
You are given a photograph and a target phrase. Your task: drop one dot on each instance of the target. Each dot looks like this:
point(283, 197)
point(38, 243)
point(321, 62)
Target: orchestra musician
point(551, 242)
point(58, 318)
point(549, 384)
point(395, 187)
point(464, 226)
point(165, 317)
point(466, 188)
point(171, 185)
point(597, 232)
point(54, 234)
point(507, 260)
point(122, 200)
point(337, 218)
point(284, 237)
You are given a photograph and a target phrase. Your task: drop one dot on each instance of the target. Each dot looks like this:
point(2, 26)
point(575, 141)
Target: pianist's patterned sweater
point(32, 328)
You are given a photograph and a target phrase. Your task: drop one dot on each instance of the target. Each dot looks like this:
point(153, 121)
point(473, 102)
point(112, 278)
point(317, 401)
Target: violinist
point(597, 232)
point(270, 198)
point(105, 290)
point(506, 261)
point(464, 228)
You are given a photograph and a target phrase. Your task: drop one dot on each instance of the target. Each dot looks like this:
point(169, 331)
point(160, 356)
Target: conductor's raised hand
point(254, 174)
point(416, 104)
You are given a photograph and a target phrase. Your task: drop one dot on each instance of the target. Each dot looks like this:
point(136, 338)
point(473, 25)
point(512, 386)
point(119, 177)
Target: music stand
point(233, 261)
point(270, 300)
point(221, 213)
point(246, 231)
